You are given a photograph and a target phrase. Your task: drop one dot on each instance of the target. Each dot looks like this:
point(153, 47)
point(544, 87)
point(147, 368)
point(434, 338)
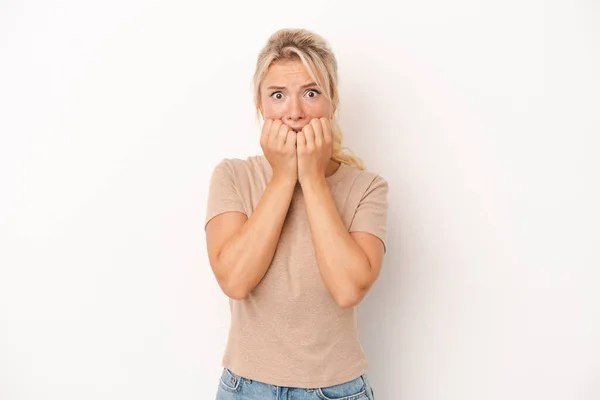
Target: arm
point(349, 262)
point(240, 249)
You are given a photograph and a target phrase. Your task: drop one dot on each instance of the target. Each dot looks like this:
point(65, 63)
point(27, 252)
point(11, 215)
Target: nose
point(295, 111)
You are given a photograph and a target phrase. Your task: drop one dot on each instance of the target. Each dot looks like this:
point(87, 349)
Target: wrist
point(313, 183)
point(284, 180)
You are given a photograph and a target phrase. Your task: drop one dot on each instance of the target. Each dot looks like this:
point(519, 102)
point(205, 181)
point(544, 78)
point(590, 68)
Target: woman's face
point(289, 93)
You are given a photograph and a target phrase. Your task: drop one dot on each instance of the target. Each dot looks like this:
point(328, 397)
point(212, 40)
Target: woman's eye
point(313, 93)
point(277, 95)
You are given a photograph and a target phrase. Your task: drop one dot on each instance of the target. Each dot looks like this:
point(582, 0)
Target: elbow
point(351, 294)
point(346, 303)
point(229, 283)
point(236, 295)
point(233, 291)
point(350, 299)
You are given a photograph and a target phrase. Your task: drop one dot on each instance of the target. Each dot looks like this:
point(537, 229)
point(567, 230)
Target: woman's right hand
point(278, 142)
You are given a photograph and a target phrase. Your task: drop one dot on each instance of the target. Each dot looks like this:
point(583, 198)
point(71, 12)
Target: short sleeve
point(222, 193)
point(371, 213)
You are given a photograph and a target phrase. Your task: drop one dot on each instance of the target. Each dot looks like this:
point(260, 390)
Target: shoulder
point(252, 164)
point(246, 172)
point(363, 180)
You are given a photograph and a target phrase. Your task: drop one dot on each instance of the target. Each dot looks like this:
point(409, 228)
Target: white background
point(483, 116)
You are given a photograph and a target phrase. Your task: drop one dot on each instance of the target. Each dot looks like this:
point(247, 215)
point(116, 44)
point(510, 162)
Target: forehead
point(287, 71)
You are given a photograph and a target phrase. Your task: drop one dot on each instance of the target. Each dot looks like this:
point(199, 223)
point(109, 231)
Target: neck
point(332, 167)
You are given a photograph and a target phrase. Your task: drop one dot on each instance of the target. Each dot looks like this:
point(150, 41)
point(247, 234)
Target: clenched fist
point(278, 142)
point(315, 149)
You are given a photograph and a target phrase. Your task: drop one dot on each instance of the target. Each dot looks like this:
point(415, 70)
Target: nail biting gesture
point(314, 149)
point(278, 142)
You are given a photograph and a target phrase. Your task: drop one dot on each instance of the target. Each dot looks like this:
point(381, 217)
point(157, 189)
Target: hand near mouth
point(314, 149)
point(278, 142)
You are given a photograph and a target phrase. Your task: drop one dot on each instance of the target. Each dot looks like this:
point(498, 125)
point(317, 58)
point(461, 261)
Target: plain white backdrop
point(483, 116)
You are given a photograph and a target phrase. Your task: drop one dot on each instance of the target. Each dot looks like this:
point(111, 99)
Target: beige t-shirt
point(289, 331)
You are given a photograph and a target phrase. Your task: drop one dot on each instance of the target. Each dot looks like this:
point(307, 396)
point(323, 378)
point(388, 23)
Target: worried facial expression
point(290, 94)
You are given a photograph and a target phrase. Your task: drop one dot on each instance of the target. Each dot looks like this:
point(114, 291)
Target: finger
point(318, 130)
point(264, 136)
point(267, 125)
point(301, 142)
point(327, 132)
point(274, 131)
point(309, 136)
point(326, 125)
point(282, 135)
point(290, 142)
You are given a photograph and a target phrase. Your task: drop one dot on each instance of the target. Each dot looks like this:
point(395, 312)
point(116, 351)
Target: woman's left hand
point(314, 149)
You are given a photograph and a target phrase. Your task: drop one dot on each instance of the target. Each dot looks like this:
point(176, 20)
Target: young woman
point(296, 236)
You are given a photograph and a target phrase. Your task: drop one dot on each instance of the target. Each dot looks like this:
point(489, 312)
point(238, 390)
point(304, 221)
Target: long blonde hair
point(317, 57)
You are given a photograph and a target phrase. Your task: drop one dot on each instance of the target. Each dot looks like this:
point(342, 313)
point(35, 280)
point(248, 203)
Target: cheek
point(272, 111)
point(318, 110)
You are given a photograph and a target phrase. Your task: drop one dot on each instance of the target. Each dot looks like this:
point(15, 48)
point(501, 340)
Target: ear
point(262, 114)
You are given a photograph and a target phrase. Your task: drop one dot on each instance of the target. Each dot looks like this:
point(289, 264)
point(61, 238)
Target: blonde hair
point(318, 59)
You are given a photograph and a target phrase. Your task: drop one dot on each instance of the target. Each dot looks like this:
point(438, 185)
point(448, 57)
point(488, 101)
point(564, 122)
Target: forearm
point(343, 264)
point(248, 254)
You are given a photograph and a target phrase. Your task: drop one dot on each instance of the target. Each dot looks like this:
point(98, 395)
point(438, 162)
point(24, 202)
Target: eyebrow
point(283, 87)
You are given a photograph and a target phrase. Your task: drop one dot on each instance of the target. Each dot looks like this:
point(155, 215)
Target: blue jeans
point(235, 387)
